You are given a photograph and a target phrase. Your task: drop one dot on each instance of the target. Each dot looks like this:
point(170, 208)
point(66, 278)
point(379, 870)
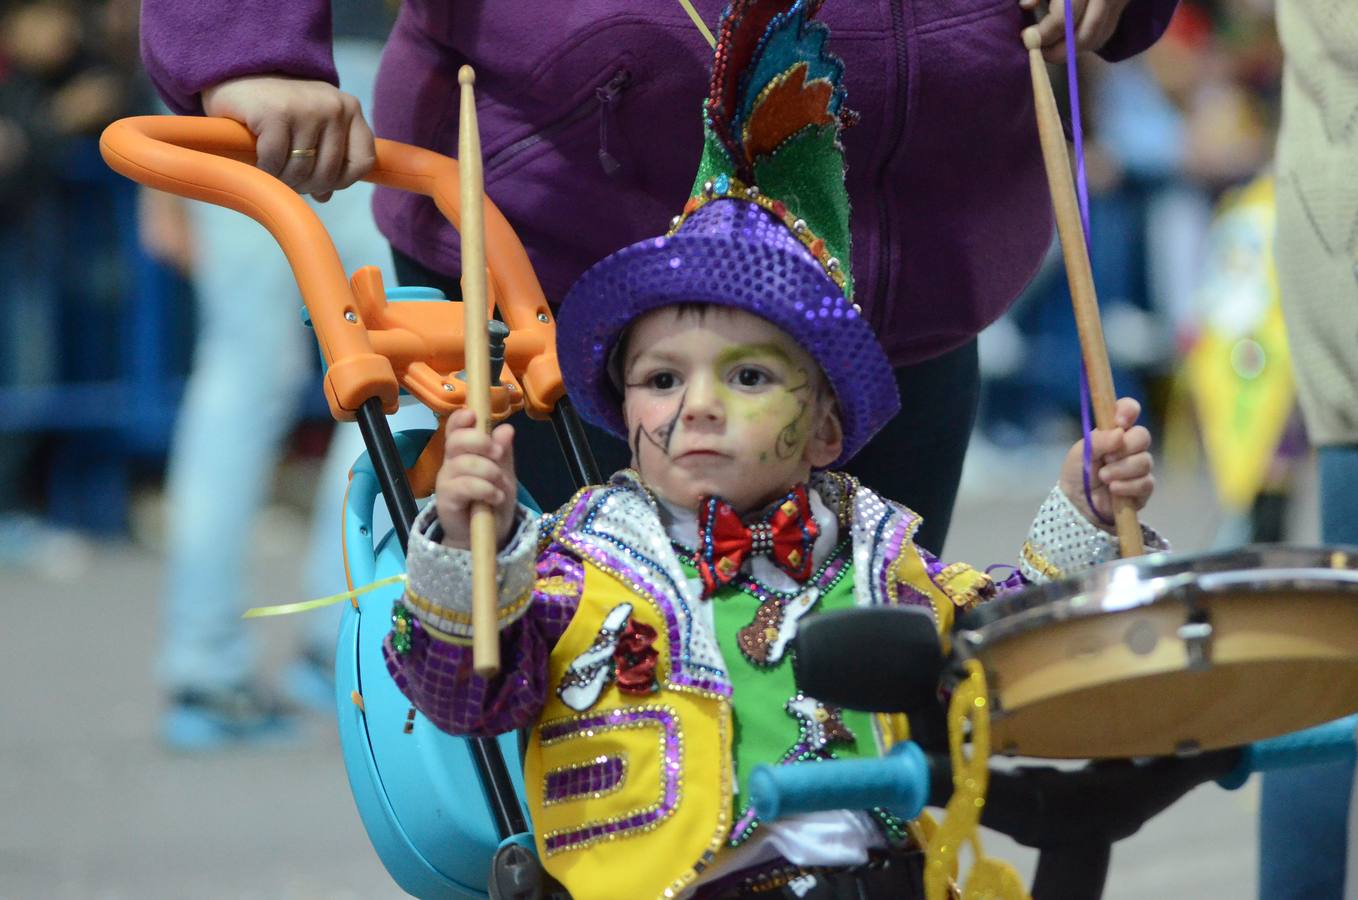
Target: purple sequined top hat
point(766, 230)
point(729, 253)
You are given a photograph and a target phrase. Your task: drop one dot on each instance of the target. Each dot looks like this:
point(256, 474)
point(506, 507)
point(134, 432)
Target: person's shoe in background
point(235, 717)
point(32, 544)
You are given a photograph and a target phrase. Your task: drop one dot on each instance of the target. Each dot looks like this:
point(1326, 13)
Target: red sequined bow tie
point(724, 542)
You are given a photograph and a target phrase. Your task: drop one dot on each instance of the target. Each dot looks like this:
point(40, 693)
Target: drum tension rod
point(1196, 634)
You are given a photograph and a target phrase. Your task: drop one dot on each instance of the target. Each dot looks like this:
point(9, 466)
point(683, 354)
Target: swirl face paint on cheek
point(774, 420)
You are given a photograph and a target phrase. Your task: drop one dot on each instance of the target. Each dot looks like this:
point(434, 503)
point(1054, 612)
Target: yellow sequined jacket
point(631, 795)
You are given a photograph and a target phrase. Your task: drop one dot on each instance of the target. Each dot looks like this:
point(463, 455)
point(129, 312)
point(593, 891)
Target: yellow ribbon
point(698, 20)
point(286, 609)
point(989, 879)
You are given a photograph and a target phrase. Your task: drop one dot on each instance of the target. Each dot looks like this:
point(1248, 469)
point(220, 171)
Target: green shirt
point(773, 722)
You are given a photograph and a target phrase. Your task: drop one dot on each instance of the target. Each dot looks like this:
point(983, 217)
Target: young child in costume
point(646, 624)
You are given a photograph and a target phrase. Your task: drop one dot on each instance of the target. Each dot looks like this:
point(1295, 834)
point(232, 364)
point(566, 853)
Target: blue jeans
point(252, 362)
point(1304, 813)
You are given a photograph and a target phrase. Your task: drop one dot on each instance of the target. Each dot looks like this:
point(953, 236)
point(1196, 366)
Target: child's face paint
point(724, 404)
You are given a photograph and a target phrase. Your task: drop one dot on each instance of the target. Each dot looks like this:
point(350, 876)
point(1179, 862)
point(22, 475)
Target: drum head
point(1164, 654)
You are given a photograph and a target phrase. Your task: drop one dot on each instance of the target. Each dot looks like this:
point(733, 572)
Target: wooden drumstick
point(1068, 226)
point(476, 362)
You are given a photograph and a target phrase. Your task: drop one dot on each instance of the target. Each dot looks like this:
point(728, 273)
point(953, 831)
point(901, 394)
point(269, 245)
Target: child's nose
point(703, 403)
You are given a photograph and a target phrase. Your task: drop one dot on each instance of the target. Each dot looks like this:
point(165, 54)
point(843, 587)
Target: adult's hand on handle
point(309, 134)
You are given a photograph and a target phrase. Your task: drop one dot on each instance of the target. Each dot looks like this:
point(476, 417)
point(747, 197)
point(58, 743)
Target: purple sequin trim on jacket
point(596, 777)
point(669, 773)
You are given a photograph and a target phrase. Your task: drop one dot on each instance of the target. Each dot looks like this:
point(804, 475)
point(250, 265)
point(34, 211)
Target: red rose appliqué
point(635, 657)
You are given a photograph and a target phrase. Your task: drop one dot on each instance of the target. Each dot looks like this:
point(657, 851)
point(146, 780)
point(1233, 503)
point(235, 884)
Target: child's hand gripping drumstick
point(1081, 277)
point(485, 634)
point(477, 476)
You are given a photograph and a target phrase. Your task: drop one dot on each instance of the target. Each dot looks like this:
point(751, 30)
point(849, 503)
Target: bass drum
point(1166, 655)
point(416, 787)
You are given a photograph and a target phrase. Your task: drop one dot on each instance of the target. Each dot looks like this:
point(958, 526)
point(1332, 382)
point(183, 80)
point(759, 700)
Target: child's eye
point(662, 381)
point(748, 376)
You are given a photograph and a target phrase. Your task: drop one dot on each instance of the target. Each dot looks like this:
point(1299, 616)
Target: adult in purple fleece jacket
point(585, 111)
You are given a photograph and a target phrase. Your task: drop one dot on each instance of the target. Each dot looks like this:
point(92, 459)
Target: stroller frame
point(373, 350)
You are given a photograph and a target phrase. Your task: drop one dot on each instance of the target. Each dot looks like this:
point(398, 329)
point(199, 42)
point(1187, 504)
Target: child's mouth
point(699, 456)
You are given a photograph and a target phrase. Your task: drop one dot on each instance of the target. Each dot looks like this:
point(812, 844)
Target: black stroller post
point(570, 432)
point(372, 423)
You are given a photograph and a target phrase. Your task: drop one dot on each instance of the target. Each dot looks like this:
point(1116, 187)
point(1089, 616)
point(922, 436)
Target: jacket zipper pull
point(606, 95)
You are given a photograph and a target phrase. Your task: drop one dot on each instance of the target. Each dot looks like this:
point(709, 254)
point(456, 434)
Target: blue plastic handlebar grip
point(898, 782)
point(1331, 742)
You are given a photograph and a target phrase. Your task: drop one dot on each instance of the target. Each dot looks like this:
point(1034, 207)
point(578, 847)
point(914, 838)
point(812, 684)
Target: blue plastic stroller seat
point(416, 787)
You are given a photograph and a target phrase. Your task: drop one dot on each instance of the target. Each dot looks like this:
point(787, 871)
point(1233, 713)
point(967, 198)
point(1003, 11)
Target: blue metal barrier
point(124, 324)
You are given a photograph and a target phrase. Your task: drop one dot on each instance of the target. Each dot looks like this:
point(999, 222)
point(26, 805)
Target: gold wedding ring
point(302, 154)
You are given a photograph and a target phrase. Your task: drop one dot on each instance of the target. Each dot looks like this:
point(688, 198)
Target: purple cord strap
point(1082, 191)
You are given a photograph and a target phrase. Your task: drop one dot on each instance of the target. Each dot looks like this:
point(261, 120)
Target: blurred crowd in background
point(1172, 137)
point(93, 334)
point(1166, 135)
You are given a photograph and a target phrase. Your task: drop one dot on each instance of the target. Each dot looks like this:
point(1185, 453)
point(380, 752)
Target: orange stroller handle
point(371, 348)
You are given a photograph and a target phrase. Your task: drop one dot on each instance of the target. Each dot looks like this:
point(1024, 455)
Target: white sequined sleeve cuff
point(439, 578)
point(1062, 542)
